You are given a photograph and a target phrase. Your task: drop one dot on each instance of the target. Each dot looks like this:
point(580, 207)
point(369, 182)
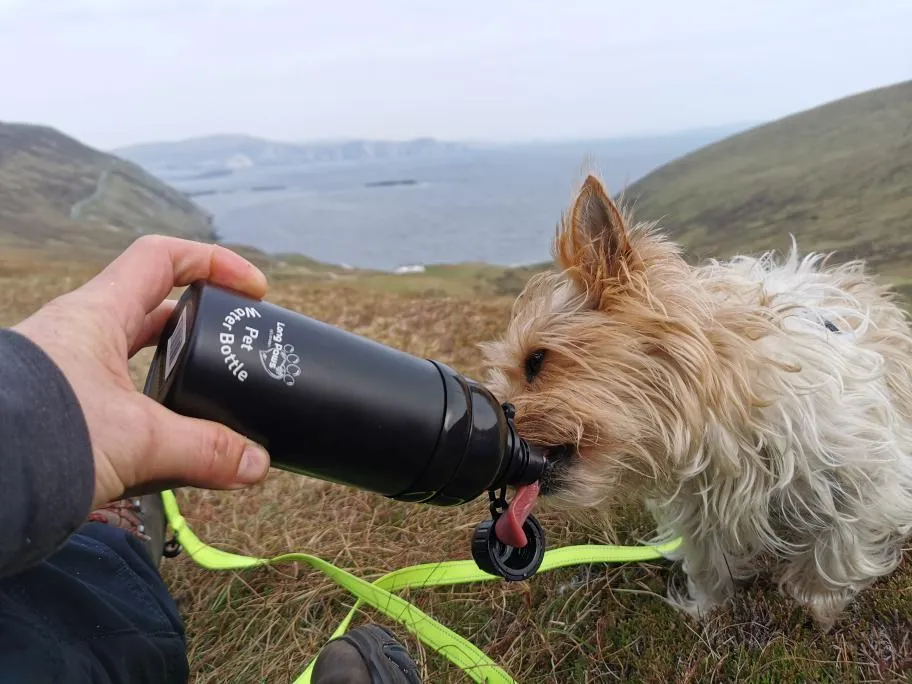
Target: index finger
point(144, 275)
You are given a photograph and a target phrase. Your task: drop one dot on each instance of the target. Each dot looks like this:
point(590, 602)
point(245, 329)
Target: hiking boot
point(366, 655)
point(143, 517)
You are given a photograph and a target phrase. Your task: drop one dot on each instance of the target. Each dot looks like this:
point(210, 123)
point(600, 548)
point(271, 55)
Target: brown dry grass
point(595, 624)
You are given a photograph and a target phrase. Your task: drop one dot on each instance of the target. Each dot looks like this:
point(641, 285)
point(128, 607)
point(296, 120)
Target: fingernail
point(254, 464)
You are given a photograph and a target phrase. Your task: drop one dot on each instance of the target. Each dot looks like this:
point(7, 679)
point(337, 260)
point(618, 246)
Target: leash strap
point(442, 640)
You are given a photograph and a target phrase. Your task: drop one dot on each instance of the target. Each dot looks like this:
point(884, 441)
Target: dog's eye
point(534, 363)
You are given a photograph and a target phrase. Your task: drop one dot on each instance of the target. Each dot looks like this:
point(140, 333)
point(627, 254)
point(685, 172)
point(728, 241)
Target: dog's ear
point(593, 243)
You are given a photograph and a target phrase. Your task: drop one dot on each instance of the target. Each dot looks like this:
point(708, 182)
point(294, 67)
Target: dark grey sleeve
point(47, 473)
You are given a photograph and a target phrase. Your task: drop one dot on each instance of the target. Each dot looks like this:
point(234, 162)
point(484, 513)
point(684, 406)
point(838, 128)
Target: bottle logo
point(279, 359)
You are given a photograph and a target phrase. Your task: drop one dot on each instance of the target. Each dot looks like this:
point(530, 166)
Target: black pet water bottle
point(339, 407)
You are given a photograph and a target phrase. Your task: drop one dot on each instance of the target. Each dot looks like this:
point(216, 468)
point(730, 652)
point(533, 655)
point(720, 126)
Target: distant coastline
point(275, 187)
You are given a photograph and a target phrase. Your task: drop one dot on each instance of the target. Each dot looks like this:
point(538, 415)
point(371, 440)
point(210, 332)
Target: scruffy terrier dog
point(761, 410)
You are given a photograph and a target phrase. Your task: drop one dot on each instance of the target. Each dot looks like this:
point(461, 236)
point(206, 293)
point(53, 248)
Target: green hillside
point(838, 177)
point(55, 191)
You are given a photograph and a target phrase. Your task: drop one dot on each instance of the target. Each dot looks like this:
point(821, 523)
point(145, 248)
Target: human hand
point(138, 445)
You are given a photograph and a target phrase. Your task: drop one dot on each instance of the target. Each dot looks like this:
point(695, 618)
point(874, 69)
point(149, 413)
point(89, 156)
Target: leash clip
point(498, 503)
point(172, 548)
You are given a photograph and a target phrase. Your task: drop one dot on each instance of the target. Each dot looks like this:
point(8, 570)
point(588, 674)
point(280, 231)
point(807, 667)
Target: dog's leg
point(710, 574)
point(849, 532)
point(838, 565)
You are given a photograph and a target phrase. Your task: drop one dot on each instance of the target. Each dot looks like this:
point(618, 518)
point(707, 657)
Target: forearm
point(47, 474)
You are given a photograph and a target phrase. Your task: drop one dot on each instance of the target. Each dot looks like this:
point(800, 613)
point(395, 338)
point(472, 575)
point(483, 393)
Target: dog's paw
point(825, 606)
point(829, 609)
point(687, 598)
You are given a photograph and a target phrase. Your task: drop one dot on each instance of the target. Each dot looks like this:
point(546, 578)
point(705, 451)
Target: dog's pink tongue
point(509, 526)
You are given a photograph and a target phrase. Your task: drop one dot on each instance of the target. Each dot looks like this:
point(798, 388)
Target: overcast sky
point(112, 72)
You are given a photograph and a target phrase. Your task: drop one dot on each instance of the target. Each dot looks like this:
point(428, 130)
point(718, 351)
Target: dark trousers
point(96, 611)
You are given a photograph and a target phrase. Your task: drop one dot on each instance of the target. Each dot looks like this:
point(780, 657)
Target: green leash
point(442, 640)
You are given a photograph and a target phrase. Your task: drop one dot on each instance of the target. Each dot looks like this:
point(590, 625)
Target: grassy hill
point(839, 177)
point(55, 191)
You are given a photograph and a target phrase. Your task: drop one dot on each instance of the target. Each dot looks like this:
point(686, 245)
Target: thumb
point(200, 453)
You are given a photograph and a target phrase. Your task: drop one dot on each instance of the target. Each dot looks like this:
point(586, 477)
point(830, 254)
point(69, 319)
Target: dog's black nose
point(558, 460)
point(560, 453)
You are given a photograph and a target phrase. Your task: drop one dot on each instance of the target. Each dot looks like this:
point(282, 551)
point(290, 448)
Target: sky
point(114, 72)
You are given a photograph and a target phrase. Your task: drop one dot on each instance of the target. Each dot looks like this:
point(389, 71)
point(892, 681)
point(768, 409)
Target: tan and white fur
point(720, 396)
